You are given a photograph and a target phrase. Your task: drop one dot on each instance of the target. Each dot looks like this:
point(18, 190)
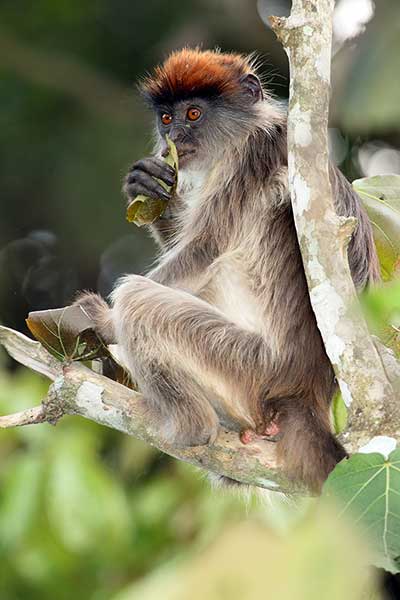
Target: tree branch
point(76, 390)
point(323, 235)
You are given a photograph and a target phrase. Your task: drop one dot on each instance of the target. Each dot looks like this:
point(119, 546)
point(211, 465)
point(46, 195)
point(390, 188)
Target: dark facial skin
point(186, 123)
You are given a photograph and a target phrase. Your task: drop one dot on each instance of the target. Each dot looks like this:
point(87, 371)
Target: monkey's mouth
point(184, 156)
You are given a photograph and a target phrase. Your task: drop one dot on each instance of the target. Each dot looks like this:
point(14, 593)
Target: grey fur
point(222, 329)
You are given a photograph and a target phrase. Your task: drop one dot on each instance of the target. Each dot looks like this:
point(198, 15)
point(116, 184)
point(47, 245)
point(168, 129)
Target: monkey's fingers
point(142, 183)
point(156, 168)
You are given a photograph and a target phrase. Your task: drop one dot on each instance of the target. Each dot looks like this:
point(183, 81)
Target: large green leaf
point(367, 488)
point(381, 198)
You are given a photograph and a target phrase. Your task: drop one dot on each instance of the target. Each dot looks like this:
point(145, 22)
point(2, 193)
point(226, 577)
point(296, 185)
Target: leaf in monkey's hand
point(144, 210)
point(381, 198)
point(67, 333)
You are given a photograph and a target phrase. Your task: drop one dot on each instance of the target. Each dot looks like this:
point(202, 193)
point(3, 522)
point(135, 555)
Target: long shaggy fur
point(222, 330)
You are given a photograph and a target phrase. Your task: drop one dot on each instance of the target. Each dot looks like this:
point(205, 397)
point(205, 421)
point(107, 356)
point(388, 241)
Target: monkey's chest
point(229, 290)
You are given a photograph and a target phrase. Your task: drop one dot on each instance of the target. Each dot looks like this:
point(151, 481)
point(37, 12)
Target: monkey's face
point(190, 124)
point(202, 128)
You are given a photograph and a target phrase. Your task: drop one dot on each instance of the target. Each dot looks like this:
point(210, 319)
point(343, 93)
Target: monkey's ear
point(251, 85)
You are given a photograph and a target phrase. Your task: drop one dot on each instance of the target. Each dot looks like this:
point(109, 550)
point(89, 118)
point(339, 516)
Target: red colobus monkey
point(221, 332)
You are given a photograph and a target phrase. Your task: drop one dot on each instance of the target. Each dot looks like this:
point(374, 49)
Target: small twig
point(30, 416)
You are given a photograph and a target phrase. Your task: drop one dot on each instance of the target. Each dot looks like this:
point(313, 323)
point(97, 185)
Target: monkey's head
point(203, 100)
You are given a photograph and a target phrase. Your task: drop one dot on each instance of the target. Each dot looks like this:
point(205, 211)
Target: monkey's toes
point(247, 435)
point(271, 430)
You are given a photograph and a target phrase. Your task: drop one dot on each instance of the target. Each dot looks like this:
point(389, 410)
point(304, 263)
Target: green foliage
point(246, 562)
point(382, 308)
point(368, 490)
point(367, 486)
point(84, 511)
point(86, 505)
point(381, 198)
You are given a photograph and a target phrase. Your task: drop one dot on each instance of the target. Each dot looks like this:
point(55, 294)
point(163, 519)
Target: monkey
point(221, 332)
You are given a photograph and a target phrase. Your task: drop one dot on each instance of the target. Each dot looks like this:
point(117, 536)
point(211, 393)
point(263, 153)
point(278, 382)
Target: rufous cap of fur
point(194, 72)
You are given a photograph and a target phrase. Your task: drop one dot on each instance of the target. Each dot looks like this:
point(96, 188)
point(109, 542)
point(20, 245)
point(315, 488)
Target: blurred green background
point(85, 512)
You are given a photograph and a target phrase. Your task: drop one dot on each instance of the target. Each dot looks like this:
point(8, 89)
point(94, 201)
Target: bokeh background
point(87, 513)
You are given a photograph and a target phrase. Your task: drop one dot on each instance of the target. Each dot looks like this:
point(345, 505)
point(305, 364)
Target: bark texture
point(373, 403)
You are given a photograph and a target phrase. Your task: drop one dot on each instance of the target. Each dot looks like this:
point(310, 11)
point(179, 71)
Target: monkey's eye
point(166, 118)
point(193, 114)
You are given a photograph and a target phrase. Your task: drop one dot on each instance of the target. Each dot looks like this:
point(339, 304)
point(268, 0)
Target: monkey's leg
point(306, 445)
point(187, 335)
point(239, 366)
point(207, 361)
point(177, 349)
point(197, 336)
point(196, 369)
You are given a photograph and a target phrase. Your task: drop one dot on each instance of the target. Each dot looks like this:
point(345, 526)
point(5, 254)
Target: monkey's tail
point(307, 449)
point(98, 311)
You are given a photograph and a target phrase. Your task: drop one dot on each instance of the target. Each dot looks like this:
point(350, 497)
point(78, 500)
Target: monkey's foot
point(247, 435)
point(270, 432)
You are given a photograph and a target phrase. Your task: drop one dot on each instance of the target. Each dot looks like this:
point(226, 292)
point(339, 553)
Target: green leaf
point(381, 198)
point(382, 308)
point(339, 412)
point(367, 488)
point(144, 210)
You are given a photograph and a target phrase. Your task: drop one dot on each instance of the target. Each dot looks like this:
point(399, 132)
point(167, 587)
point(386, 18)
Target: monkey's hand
point(98, 311)
point(142, 179)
